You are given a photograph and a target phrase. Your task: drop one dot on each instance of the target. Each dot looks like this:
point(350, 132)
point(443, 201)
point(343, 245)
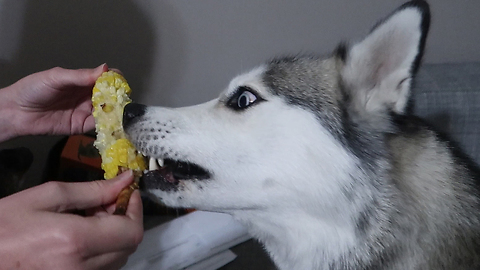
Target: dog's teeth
point(160, 162)
point(152, 164)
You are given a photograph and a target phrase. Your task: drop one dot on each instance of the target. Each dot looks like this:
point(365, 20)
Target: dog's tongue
point(162, 178)
point(167, 174)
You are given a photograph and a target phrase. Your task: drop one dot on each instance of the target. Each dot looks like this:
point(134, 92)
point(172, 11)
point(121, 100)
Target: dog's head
point(288, 132)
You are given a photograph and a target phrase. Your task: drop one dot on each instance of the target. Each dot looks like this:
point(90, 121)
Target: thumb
point(60, 77)
point(61, 197)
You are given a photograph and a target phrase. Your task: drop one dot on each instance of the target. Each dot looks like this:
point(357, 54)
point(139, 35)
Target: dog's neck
point(345, 236)
point(300, 240)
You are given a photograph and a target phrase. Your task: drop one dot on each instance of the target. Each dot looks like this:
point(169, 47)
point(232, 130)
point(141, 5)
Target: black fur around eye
point(243, 98)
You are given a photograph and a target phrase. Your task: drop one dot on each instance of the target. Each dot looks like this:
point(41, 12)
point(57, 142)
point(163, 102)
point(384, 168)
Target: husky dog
point(320, 159)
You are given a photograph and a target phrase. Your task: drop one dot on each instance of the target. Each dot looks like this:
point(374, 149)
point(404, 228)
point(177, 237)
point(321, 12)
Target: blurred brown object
point(75, 159)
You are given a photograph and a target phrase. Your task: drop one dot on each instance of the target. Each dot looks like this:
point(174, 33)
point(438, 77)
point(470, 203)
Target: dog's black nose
point(132, 111)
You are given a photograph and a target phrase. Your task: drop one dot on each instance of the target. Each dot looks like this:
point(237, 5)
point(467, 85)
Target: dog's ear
point(377, 71)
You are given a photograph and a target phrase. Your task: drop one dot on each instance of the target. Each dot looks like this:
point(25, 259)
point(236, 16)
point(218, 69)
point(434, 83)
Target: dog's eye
point(243, 98)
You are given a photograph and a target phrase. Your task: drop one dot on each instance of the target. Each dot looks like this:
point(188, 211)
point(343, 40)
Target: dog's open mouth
point(166, 174)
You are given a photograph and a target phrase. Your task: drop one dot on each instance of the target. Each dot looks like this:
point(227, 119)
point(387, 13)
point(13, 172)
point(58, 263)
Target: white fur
point(274, 166)
point(379, 67)
point(264, 161)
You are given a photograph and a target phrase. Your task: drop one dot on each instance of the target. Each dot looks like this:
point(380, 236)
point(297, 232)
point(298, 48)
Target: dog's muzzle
point(131, 112)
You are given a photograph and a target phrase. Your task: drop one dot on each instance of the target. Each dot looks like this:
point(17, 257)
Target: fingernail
point(125, 175)
point(103, 67)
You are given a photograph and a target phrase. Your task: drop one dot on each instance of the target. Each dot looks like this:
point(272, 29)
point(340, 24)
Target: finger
point(89, 123)
point(102, 211)
point(111, 208)
point(135, 207)
point(60, 77)
point(61, 197)
point(98, 211)
point(113, 260)
point(111, 233)
point(117, 232)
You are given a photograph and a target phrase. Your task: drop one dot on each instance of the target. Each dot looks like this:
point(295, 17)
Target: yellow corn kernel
point(110, 95)
point(107, 108)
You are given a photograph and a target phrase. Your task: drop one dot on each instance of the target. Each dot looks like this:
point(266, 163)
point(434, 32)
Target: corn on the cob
point(110, 95)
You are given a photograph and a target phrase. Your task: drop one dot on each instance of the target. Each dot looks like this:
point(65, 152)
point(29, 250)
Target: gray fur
point(424, 211)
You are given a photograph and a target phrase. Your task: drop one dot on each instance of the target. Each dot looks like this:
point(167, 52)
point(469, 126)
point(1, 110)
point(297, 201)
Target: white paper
point(214, 262)
point(187, 240)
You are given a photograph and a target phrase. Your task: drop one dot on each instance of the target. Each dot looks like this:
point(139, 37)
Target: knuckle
point(71, 243)
point(56, 69)
point(57, 188)
point(61, 193)
point(54, 77)
point(53, 72)
point(54, 185)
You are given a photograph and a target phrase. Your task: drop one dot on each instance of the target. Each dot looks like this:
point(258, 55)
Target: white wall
point(182, 52)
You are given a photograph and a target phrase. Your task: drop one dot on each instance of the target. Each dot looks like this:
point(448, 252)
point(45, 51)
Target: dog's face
point(288, 134)
point(249, 148)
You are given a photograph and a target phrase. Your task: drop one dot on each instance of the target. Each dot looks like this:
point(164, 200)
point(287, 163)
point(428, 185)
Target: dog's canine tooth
point(152, 164)
point(160, 162)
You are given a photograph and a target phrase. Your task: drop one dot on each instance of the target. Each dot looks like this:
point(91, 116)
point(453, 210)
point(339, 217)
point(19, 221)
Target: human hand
point(38, 231)
point(55, 101)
